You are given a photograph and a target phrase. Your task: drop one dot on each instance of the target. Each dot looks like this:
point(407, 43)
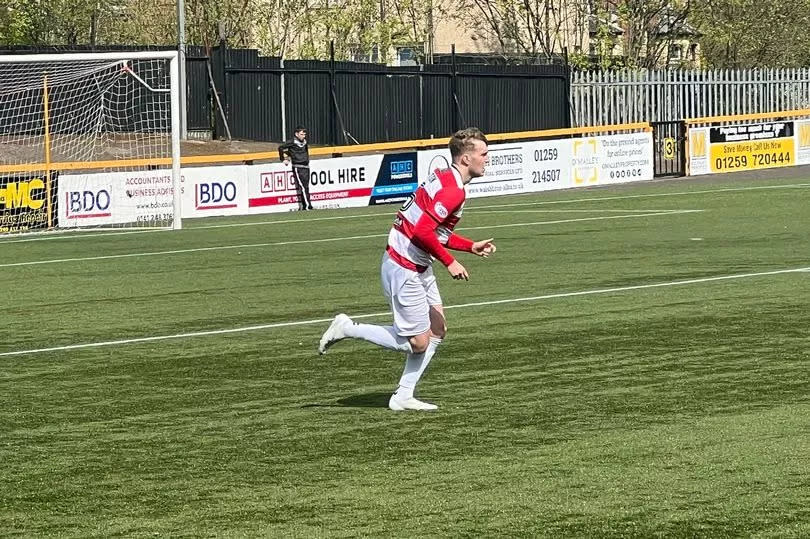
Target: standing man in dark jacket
point(297, 151)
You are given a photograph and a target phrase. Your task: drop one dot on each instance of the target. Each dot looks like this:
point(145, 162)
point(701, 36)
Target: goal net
point(89, 140)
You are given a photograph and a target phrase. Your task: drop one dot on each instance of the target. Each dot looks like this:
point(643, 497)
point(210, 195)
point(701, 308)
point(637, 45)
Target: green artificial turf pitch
point(575, 399)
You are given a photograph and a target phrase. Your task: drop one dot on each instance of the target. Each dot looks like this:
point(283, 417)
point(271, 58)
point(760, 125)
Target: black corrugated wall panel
point(362, 100)
point(504, 104)
point(254, 105)
point(404, 114)
point(379, 106)
point(253, 91)
point(436, 103)
point(198, 96)
point(308, 102)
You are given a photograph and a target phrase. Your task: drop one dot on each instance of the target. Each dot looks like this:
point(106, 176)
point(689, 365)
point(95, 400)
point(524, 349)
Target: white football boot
point(400, 405)
point(334, 333)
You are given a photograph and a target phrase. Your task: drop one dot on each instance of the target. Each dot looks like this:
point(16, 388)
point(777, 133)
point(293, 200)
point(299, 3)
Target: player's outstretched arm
point(483, 248)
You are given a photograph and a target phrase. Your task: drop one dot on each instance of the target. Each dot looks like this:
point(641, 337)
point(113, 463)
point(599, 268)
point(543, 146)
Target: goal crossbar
point(88, 56)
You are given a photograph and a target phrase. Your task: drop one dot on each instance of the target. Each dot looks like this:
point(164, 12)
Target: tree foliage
point(753, 33)
point(292, 28)
point(649, 28)
point(732, 33)
point(52, 22)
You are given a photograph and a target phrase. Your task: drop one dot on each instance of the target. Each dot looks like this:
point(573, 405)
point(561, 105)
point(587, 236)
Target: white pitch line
point(581, 219)
point(324, 240)
point(70, 234)
point(649, 195)
point(300, 220)
point(183, 251)
point(593, 210)
point(202, 227)
point(66, 235)
point(471, 208)
point(372, 315)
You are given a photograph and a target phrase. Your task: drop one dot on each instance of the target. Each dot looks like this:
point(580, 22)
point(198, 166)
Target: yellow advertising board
point(752, 155)
point(24, 203)
point(734, 148)
point(751, 147)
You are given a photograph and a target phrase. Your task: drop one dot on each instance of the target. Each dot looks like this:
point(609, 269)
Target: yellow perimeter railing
point(745, 117)
point(334, 151)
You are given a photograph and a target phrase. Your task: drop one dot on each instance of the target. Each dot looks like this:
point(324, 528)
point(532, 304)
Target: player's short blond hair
point(462, 141)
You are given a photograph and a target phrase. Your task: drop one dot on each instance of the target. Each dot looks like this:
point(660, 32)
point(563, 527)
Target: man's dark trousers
point(302, 186)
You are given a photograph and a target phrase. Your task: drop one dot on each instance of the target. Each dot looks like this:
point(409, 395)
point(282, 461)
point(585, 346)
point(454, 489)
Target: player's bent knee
point(419, 343)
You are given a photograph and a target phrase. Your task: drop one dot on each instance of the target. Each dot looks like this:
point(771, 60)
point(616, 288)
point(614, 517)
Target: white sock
point(415, 365)
point(384, 336)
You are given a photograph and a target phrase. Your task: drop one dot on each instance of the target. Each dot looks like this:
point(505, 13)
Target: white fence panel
point(656, 95)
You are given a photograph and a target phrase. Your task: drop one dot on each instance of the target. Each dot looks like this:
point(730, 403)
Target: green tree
point(290, 28)
point(49, 22)
point(648, 27)
point(753, 33)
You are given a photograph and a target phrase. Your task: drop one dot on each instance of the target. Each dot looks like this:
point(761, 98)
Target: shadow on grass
point(366, 400)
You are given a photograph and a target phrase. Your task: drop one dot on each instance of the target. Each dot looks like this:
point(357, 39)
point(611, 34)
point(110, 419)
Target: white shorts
point(410, 295)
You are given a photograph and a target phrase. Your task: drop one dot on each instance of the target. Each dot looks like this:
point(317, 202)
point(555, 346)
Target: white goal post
point(89, 140)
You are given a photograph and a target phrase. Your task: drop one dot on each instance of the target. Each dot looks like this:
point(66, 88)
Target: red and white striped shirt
point(424, 224)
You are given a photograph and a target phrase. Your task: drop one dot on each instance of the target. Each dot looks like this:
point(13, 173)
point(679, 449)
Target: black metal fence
point(346, 102)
